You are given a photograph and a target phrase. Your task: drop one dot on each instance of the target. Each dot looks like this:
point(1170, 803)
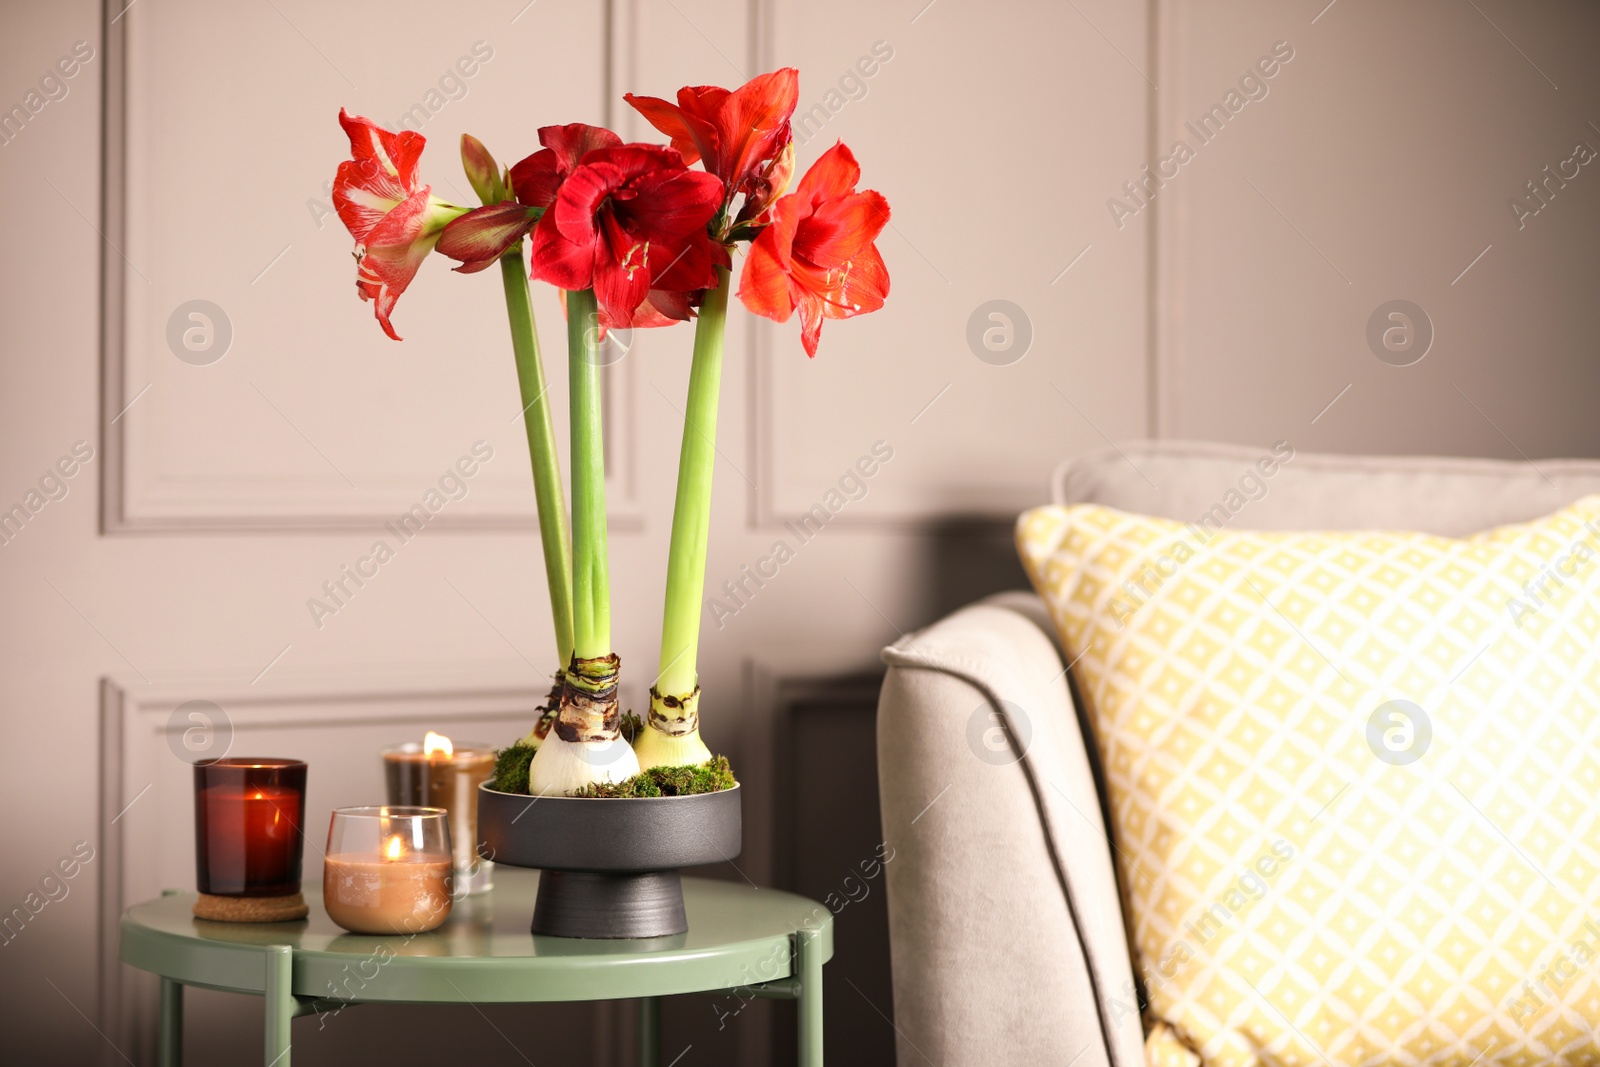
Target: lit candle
point(440, 774)
point(247, 827)
point(400, 886)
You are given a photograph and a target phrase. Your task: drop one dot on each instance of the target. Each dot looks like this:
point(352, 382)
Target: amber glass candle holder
point(247, 817)
point(247, 841)
point(446, 775)
point(388, 870)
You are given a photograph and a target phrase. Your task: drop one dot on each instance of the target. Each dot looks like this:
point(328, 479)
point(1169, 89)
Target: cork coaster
point(251, 909)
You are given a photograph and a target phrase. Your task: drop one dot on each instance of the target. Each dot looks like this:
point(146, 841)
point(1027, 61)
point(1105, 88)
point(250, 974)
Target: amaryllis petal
point(699, 105)
point(636, 160)
point(833, 175)
point(764, 285)
point(865, 288)
point(581, 197)
point(854, 289)
point(776, 242)
point(692, 267)
point(381, 172)
point(670, 120)
point(837, 230)
point(394, 154)
point(702, 99)
point(537, 179)
point(564, 264)
point(666, 306)
point(484, 234)
point(810, 324)
point(675, 202)
point(360, 201)
point(649, 314)
point(621, 271)
point(391, 255)
point(754, 121)
point(645, 317)
point(575, 140)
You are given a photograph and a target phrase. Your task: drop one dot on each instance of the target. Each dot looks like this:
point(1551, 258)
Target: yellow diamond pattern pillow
point(1354, 780)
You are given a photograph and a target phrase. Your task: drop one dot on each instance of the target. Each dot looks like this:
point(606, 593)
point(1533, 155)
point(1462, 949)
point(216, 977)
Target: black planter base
point(609, 905)
point(609, 868)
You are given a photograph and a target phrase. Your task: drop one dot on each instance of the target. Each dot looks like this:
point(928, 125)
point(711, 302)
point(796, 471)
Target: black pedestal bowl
point(609, 867)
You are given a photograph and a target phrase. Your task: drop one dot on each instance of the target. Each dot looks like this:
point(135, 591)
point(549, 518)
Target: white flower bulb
point(671, 738)
point(562, 767)
point(655, 748)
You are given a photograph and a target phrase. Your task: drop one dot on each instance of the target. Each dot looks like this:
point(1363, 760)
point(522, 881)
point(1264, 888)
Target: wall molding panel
point(246, 444)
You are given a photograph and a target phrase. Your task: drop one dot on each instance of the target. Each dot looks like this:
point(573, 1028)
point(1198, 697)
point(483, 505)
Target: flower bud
point(482, 171)
point(767, 185)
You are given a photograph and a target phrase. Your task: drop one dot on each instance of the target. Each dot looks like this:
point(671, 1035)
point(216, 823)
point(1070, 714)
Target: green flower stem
point(542, 450)
point(691, 513)
point(591, 585)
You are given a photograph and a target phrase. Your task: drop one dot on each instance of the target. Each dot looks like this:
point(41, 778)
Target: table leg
point(169, 1028)
point(808, 967)
point(280, 1004)
point(650, 1032)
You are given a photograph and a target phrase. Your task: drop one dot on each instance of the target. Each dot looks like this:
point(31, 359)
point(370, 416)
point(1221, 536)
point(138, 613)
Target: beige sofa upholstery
point(1005, 922)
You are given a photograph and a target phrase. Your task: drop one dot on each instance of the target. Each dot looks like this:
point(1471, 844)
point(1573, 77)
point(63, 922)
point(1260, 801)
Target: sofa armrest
point(1006, 929)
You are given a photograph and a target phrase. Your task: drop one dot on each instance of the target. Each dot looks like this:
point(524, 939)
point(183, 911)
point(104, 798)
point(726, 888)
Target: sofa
point(1007, 933)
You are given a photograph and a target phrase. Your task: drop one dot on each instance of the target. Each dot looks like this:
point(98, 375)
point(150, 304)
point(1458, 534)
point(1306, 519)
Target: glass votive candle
point(388, 869)
point(440, 774)
point(247, 818)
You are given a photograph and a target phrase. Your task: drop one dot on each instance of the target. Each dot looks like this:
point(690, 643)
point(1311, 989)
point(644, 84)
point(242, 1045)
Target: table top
point(738, 935)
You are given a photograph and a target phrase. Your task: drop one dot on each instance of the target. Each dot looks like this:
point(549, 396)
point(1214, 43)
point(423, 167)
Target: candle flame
point(392, 849)
point(437, 744)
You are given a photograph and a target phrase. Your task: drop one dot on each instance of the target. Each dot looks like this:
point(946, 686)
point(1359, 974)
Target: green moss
point(511, 767)
point(713, 777)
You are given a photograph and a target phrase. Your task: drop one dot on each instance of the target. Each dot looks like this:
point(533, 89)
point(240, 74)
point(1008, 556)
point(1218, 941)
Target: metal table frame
point(750, 943)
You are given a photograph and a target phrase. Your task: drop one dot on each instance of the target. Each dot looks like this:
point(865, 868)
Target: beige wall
point(1380, 166)
point(1377, 166)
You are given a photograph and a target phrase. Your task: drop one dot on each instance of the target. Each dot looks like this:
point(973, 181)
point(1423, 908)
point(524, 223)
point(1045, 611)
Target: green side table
point(741, 941)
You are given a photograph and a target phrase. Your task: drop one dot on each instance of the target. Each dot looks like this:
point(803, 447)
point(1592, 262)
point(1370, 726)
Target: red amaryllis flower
point(628, 220)
point(818, 255)
point(395, 221)
point(485, 234)
point(741, 135)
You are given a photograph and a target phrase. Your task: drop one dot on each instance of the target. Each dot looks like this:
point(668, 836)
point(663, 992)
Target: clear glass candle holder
point(247, 819)
point(449, 779)
point(388, 869)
